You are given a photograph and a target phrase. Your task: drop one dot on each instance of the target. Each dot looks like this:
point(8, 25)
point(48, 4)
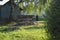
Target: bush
point(53, 19)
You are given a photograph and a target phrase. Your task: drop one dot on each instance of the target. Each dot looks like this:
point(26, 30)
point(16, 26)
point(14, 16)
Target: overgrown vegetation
point(53, 19)
point(48, 29)
point(32, 32)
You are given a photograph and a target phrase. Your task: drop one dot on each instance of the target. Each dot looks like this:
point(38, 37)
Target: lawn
point(31, 32)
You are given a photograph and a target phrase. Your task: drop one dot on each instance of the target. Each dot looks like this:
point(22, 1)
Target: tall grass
point(26, 33)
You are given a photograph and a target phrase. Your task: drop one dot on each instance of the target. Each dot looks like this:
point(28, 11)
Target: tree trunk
point(12, 9)
point(36, 17)
point(13, 6)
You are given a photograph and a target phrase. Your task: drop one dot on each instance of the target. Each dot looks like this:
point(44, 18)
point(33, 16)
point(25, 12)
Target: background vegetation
point(53, 19)
point(32, 32)
point(47, 26)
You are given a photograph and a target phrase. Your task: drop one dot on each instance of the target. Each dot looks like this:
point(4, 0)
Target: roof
point(3, 2)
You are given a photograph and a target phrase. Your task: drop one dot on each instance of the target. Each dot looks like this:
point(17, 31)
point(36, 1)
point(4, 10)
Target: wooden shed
point(5, 11)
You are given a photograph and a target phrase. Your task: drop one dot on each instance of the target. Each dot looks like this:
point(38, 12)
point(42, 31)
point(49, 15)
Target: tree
point(29, 6)
point(13, 6)
point(53, 19)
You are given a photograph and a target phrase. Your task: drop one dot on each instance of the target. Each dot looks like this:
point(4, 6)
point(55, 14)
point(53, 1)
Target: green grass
point(32, 32)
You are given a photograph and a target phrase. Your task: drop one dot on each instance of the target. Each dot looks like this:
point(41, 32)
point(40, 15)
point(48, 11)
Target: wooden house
point(5, 11)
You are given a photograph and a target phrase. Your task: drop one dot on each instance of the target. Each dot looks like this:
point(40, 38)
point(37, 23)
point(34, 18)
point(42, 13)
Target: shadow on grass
point(8, 29)
point(30, 28)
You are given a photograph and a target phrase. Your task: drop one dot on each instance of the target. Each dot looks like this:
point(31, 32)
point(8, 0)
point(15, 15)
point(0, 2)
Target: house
point(5, 11)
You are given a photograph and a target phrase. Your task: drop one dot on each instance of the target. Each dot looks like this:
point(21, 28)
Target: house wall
point(0, 12)
point(5, 11)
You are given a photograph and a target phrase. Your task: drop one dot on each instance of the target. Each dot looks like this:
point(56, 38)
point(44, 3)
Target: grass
point(32, 32)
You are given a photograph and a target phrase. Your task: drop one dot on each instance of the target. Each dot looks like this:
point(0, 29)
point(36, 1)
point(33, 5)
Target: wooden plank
point(25, 19)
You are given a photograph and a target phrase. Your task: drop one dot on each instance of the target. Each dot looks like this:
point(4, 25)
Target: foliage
point(26, 33)
point(34, 6)
point(53, 19)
